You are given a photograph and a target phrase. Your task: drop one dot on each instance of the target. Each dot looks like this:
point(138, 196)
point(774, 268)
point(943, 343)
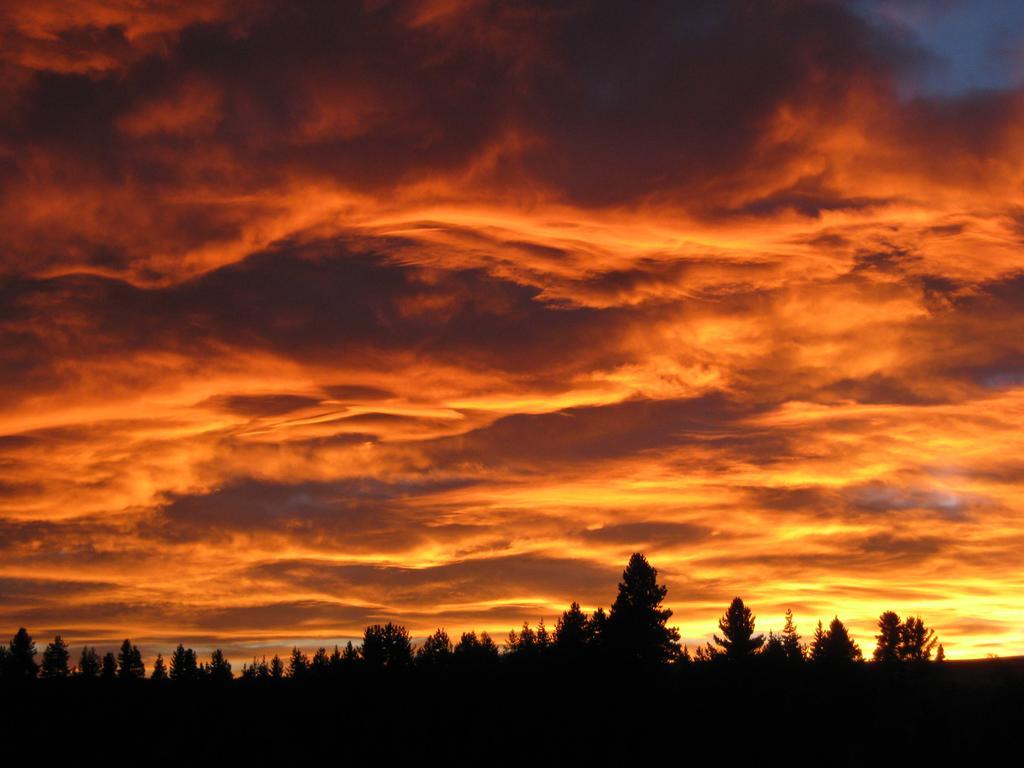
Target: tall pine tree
point(636, 627)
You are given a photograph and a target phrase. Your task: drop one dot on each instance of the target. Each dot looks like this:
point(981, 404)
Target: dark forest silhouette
point(594, 687)
point(633, 632)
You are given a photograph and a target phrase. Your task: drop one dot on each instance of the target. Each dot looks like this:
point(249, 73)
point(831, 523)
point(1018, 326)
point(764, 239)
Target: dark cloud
point(362, 514)
point(475, 580)
point(262, 405)
point(651, 533)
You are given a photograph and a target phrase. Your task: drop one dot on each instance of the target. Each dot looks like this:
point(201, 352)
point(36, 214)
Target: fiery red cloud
point(313, 315)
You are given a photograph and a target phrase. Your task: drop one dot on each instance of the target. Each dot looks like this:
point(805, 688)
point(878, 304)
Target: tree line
point(634, 631)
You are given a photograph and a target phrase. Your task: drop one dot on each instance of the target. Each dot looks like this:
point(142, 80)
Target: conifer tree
point(108, 670)
point(916, 641)
point(319, 664)
point(572, 630)
point(55, 659)
point(791, 644)
point(298, 664)
point(834, 646)
point(738, 641)
point(219, 668)
point(436, 650)
point(276, 668)
point(20, 662)
point(387, 646)
point(889, 637)
point(184, 664)
point(89, 663)
point(129, 662)
point(159, 669)
point(772, 650)
point(636, 629)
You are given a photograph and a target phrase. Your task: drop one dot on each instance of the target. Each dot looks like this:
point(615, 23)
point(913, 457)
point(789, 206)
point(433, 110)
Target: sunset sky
point(315, 315)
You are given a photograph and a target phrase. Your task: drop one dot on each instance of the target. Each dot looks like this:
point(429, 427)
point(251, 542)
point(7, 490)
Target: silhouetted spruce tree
point(635, 630)
point(522, 644)
point(108, 670)
point(350, 656)
point(4, 653)
point(261, 670)
point(940, 654)
point(89, 663)
point(436, 651)
point(817, 649)
point(20, 663)
point(159, 669)
point(219, 668)
point(572, 632)
point(597, 628)
point(129, 662)
point(887, 648)
point(791, 644)
point(184, 664)
point(258, 670)
point(773, 650)
point(472, 652)
point(298, 664)
point(705, 654)
point(276, 668)
point(738, 641)
point(319, 665)
point(387, 647)
point(335, 663)
point(916, 640)
point(543, 638)
point(55, 659)
point(834, 646)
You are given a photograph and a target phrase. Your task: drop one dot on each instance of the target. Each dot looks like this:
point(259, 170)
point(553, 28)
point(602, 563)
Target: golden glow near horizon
point(297, 342)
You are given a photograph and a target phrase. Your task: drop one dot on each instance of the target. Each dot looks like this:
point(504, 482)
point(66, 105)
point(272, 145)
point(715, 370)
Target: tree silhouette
point(635, 629)
point(129, 662)
point(258, 670)
point(20, 662)
point(475, 652)
point(834, 646)
point(159, 669)
point(387, 646)
point(916, 641)
point(737, 625)
point(436, 650)
point(298, 664)
point(773, 650)
point(276, 668)
point(55, 659)
point(319, 665)
point(889, 638)
point(108, 670)
point(184, 665)
point(335, 663)
point(219, 669)
point(791, 644)
point(526, 643)
point(817, 649)
point(89, 663)
point(573, 632)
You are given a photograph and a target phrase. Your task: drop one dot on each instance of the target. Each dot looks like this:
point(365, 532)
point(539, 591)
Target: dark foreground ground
point(968, 713)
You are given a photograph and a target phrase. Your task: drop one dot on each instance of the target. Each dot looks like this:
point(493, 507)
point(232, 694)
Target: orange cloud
point(312, 316)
